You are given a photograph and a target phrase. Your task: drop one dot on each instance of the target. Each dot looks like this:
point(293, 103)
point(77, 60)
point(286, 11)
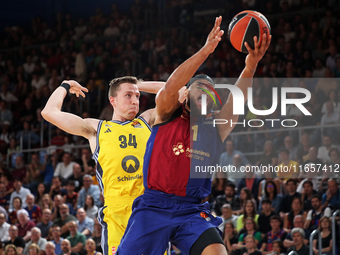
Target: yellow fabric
point(288, 171)
point(119, 155)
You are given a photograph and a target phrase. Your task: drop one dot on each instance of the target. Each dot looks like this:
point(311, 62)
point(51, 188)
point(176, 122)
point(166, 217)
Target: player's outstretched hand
point(76, 88)
point(256, 54)
point(214, 36)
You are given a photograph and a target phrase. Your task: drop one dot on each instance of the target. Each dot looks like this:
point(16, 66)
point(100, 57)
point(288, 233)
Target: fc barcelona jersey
point(174, 149)
point(119, 157)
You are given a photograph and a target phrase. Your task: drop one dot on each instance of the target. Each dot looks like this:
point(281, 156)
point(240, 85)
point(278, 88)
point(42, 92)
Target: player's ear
point(183, 93)
point(113, 101)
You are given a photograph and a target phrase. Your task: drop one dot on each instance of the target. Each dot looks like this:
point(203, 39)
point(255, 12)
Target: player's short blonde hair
point(115, 83)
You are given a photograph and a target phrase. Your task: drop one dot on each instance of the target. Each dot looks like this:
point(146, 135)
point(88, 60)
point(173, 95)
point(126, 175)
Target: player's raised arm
point(68, 122)
point(150, 86)
point(167, 98)
point(244, 82)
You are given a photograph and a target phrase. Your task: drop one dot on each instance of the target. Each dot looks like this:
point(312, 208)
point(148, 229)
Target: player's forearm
point(181, 76)
point(54, 103)
point(150, 86)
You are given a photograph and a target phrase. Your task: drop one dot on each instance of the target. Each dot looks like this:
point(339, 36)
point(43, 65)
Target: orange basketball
point(244, 26)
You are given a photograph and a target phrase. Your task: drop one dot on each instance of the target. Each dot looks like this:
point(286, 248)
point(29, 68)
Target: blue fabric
point(157, 219)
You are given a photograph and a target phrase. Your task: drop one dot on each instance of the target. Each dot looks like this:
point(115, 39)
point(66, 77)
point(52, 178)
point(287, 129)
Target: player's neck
point(119, 117)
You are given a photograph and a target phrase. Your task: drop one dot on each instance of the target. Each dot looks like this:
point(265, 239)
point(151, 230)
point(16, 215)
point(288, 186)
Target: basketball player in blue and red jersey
point(170, 208)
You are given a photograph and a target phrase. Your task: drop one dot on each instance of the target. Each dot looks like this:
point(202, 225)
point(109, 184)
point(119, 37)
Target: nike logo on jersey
point(108, 130)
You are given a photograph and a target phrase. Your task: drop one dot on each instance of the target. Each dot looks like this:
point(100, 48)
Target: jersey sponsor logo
point(136, 124)
point(129, 178)
point(107, 125)
point(108, 130)
point(113, 250)
point(205, 216)
point(128, 166)
point(178, 149)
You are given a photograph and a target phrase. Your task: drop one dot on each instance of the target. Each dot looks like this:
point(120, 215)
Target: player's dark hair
point(291, 180)
point(115, 83)
point(200, 77)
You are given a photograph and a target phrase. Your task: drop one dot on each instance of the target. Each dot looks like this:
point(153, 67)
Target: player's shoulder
point(149, 116)
point(92, 125)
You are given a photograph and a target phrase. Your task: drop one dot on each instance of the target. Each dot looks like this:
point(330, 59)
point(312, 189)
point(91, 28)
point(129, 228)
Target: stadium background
point(45, 42)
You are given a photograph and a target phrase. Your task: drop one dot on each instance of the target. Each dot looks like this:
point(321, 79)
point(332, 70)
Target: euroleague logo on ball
point(244, 26)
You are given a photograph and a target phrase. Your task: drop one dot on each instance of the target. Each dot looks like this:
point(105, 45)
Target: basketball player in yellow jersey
point(118, 146)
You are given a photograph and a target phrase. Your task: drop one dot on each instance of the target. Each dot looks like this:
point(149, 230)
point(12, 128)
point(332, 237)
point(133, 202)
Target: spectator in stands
point(45, 223)
point(269, 156)
point(15, 240)
point(88, 189)
point(56, 188)
point(20, 192)
point(291, 186)
point(33, 210)
point(46, 202)
point(57, 239)
point(35, 239)
point(64, 168)
point(249, 211)
point(314, 215)
point(292, 149)
point(229, 197)
point(298, 223)
point(276, 233)
point(20, 170)
point(326, 237)
point(331, 117)
point(11, 249)
point(332, 196)
point(66, 248)
point(250, 181)
point(77, 177)
point(226, 157)
point(35, 170)
point(307, 193)
point(85, 224)
point(285, 162)
point(218, 185)
point(4, 197)
point(250, 246)
point(296, 209)
point(13, 217)
point(4, 227)
point(25, 225)
point(71, 197)
point(58, 200)
point(250, 228)
point(50, 248)
point(323, 151)
point(96, 235)
point(229, 236)
point(265, 215)
point(298, 236)
point(227, 216)
point(77, 239)
point(271, 194)
point(88, 163)
point(90, 208)
point(312, 157)
point(28, 136)
point(278, 248)
point(6, 115)
point(65, 217)
point(41, 191)
point(90, 247)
